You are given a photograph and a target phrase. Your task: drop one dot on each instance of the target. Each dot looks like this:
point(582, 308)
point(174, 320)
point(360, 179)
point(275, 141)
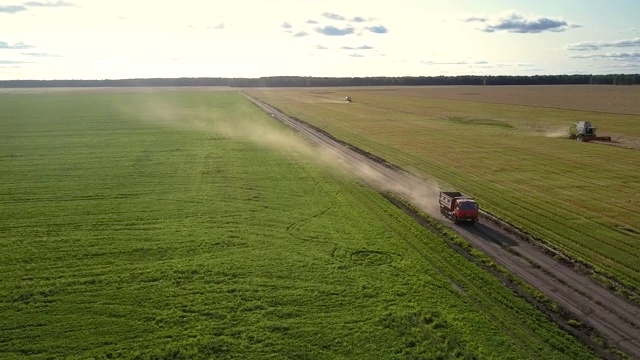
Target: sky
point(120, 39)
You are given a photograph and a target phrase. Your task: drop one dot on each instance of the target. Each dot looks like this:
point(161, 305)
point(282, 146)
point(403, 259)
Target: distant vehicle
point(458, 207)
point(584, 131)
point(347, 99)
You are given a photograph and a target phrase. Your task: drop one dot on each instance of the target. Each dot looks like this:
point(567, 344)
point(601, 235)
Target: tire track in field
point(361, 257)
point(613, 317)
point(293, 228)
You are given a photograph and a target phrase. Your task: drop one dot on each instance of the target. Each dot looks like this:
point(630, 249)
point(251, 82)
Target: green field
point(581, 198)
point(162, 226)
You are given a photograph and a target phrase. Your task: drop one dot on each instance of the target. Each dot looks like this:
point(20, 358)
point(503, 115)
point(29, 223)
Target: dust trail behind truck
point(458, 207)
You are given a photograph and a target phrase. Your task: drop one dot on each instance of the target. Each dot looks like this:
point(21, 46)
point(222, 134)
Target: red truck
point(458, 207)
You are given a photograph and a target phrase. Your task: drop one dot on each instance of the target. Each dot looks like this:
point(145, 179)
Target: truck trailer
point(458, 207)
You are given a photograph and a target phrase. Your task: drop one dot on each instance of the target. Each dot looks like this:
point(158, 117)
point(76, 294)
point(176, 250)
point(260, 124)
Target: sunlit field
point(166, 225)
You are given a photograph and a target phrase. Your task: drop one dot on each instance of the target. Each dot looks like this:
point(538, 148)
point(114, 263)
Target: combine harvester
point(583, 131)
point(458, 207)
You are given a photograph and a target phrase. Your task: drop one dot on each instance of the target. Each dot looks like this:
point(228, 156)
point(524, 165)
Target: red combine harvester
point(583, 131)
point(458, 207)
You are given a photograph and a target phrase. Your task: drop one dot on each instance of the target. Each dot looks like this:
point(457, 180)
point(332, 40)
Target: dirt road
point(614, 318)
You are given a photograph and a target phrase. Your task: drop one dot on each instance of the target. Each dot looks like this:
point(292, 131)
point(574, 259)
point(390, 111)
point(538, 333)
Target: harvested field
point(600, 98)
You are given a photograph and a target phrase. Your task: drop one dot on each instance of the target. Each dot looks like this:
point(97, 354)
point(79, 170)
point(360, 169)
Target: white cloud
point(20, 45)
point(10, 62)
point(334, 31)
point(39, 54)
point(12, 9)
point(379, 29)
point(58, 3)
point(515, 23)
point(333, 16)
point(597, 45)
point(363, 47)
point(628, 56)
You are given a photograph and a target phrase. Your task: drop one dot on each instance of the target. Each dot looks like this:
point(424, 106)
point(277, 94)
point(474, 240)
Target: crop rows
point(157, 225)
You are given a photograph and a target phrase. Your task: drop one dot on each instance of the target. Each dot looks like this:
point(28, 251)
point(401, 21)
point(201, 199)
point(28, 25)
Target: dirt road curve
point(613, 317)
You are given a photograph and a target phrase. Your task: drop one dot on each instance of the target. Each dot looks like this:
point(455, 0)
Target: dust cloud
point(335, 101)
point(273, 136)
point(203, 119)
point(419, 192)
point(557, 133)
point(323, 101)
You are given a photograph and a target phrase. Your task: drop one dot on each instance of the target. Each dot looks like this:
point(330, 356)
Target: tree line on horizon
point(307, 81)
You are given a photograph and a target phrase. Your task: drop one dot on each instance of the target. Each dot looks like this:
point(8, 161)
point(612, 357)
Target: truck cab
point(458, 207)
point(466, 210)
